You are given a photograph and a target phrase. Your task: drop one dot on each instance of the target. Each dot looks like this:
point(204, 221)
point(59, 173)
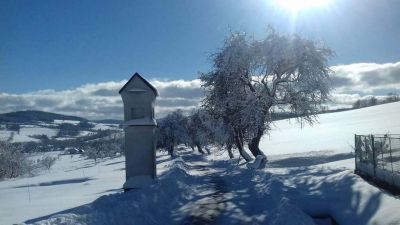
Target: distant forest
point(30, 116)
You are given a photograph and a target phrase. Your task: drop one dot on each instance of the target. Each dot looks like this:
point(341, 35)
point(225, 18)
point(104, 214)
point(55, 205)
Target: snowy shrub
point(13, 162)
point(67, 129)
point(47, 162)
point(103, 148)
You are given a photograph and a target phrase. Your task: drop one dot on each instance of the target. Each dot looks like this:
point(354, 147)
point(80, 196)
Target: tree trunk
point(198, 145)
point(229, 148)
point(171, 151)
point(208, 150)
point(239, 145)
point(254, 143)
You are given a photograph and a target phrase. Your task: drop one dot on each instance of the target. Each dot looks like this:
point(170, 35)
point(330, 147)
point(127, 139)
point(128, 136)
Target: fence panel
point(378, 157)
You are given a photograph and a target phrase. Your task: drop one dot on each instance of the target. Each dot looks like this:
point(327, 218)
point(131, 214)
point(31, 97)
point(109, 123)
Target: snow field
point(335, 131)
point(26, 131)
point(314, 177)
point(197, 189)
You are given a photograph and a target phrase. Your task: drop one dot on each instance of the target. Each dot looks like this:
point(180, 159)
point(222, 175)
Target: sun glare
point(296, 6)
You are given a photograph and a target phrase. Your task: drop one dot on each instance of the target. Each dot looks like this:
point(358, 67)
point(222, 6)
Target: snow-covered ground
point(313, 176)
point(73, 122)
point(72, 181)
point(194, 189)
point(102, 126)
point(26, 131)
point(335, 131)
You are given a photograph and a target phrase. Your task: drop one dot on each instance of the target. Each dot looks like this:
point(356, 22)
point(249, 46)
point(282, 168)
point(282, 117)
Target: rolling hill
point(30, 116)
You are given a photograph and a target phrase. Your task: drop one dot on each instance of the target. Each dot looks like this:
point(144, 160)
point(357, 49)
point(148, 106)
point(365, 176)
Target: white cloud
point(101, 100)
point(367, 78)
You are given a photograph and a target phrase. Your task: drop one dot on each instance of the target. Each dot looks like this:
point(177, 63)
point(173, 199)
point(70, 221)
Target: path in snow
point(209, 208)
point(211, 201)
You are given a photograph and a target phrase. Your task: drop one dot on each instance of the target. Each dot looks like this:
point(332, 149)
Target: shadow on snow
point(234, 195)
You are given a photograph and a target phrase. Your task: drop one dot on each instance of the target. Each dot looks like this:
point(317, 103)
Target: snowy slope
point(212, 189)
point(72, 181)
point(26, 131)
point(197, 189)
point(194, 189)
point(335, 131)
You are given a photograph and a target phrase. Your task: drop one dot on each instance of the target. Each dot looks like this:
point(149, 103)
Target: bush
point(13, 162)
point(103, 148)
point(67, 129)
point(47, 162)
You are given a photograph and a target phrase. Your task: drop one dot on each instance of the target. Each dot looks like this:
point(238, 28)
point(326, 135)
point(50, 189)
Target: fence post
point(373, 154)
point(355, 151)
point(391, 159)
point(383, 161)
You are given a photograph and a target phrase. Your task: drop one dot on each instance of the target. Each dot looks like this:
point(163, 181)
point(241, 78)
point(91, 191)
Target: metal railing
point(378, 157)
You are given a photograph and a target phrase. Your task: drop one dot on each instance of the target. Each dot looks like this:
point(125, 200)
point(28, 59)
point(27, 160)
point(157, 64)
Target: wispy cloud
point(101, 100)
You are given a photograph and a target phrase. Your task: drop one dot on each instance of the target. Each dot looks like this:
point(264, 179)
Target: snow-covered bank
point(201, 189)
point(335, 131)
point(71, 182)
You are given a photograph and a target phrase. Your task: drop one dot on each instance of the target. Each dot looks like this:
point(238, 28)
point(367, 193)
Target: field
point(309, 177)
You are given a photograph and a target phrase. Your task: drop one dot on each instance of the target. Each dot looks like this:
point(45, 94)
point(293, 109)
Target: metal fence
point(378, 157)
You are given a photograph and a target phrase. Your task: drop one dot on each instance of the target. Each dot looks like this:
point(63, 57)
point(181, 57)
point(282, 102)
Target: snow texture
point(25, 132)
point(335, 131)
point(293, 188)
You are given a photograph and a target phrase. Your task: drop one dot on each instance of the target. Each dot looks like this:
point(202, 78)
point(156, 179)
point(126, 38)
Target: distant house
point(72, 151)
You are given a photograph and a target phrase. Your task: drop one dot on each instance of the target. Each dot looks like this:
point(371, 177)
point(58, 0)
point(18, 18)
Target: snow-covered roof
point(136, 90)
point(141, 122)
point(144, 80)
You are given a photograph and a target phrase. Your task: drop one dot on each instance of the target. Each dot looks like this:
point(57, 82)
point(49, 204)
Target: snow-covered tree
point(226, 95)
point(13, 162)
point(172, 131)
point(252, 79)
point(197, 131)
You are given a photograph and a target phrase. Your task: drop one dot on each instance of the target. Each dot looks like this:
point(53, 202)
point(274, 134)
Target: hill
point(30, 116)
point(334, 131)
point(108, 121)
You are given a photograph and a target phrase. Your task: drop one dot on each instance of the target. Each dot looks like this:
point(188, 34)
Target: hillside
point(213, 189)
point(30, 116)
point(334, 131)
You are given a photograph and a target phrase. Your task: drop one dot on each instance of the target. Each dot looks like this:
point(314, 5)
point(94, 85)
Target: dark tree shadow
point(113, 163)
point(57, 182)
point(309, 160)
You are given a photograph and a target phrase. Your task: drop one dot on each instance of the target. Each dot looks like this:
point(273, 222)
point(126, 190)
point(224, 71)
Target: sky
point(73, 56)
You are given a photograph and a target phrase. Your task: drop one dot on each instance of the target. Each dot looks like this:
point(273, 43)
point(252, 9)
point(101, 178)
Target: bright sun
point(296, 6)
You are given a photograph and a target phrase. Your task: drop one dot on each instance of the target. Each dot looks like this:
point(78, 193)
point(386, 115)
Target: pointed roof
point(144, 80)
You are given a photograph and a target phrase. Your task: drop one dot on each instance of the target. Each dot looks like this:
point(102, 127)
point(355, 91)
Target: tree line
point(371, 101)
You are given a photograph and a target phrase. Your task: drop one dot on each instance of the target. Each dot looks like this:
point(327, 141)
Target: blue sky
point(63, 44)
point(73, 56)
